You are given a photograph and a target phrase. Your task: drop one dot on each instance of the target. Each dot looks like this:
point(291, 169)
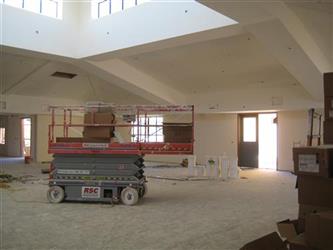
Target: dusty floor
point(174, 214)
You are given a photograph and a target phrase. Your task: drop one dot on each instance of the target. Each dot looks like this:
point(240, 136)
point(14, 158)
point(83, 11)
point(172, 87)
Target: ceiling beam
point(283, 35)
point(299, 33)
point(119, 73)
point(20, 83)
point(274, 36)
point(207, 35)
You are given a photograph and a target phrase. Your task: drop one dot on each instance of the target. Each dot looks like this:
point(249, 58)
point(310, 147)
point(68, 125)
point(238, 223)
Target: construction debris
point(179, 178)
point(6, 178)
point(4, 185)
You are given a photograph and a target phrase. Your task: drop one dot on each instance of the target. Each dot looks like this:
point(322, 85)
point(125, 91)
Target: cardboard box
point(299, 243)
point(328, 84)
point(315, 191)
point(104, 118)
point(291, 230)
point(328, 107)
point(319, 230)
point(288, 229)
point(84, 139)
point(328, 132)
point(97, 132)
point(88, 118)
point(177, 132)
point(98, 118)
point(305, 210)
point(315, 161)
point(271, 241)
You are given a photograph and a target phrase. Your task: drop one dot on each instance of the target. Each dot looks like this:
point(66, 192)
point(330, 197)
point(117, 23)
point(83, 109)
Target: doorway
point(268, 141)
point(26, 136)
point(257, 140)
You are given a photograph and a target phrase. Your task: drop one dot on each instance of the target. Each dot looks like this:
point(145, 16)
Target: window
point(51, 8)
point(153, 133)
point(249, 129)
point(100, 8)
point(2, 136)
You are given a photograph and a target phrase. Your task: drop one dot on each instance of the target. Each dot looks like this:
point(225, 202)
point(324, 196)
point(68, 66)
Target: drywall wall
point(254, 98)
point(214, 134)
point(42, 123)
point(13, 124)
point(146, 23)
point(41, 33)
point(292, 131)
point(17, 104)
point(13, 134)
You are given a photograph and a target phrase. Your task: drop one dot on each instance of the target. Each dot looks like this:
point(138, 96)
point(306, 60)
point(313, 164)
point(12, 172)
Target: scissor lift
point(90, 169)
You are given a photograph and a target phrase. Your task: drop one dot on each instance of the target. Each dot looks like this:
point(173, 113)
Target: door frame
point(22, 144)
point(239, 127)
point(240, 116)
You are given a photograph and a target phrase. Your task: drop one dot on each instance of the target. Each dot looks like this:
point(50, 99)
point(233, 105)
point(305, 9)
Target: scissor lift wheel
point(129, 196)
point(55, 194)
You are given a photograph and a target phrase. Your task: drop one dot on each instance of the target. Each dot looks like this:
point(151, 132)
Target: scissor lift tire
point(129, 196)
point(55, 194)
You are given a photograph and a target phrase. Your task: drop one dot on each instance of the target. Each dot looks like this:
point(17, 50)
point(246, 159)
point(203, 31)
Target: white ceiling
point(318, 20)
point(30, 76)
point(277, 50)
point(228, 63)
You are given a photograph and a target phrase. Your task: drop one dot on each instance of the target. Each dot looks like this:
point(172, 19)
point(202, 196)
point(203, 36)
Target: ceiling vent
point(63, 75)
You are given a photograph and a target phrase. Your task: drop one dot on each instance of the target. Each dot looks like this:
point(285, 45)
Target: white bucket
point(199, 171)
point(224, 167)
point(233, 169)
point(229, 168)
point(212, 166)
point(191, 164)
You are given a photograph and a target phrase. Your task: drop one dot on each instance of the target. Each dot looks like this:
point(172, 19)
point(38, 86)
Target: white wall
point(13, 125)
point(42, 123)
point(143, 24)
point(13, 135)
point(214, 134)
point(292, 130)
point(149, 22)
point(255, 98)
point(37, 105)
point(55, 36)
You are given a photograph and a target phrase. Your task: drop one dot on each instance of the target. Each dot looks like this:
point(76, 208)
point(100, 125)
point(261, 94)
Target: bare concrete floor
point(174, 214)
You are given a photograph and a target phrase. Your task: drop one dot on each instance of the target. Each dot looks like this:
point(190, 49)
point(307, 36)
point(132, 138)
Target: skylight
point(100, 8)
point(51, 8)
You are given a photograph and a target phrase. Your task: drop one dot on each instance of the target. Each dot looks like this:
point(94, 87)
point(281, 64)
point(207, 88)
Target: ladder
point(312, 116)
